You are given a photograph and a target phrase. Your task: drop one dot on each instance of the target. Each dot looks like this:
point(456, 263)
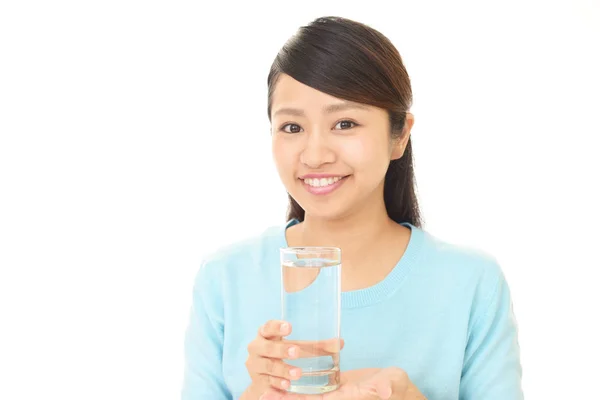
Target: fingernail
point(284, 327)
point(295, 373)
point(285, 384)
point(292, 352)
point(386, 393)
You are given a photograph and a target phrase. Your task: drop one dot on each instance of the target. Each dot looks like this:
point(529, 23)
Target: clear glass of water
point(311, 298)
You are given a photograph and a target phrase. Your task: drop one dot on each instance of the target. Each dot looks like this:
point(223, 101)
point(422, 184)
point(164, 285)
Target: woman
point(421, 318)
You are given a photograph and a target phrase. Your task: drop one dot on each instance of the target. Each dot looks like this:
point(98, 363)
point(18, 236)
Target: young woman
point(421, 318)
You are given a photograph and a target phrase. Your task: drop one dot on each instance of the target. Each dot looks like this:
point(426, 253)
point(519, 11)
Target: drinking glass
point(310, 298)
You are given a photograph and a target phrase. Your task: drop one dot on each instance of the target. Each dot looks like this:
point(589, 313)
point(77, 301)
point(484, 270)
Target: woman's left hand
point(362, 384)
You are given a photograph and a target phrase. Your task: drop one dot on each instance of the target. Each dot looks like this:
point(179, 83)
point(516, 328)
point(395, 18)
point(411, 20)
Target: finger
point(275, 329)
point(273, 349)
point(296, 396)
point(384, 389)
point(397, 377)
point(277, 368)
point(317, 348)
point(272, 394)
point(279, 383)
point(388, 381)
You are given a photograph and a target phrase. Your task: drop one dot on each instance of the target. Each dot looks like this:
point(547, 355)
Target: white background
point(134, 141)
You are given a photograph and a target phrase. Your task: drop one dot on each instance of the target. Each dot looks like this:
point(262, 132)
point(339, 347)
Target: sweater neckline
point(392, 281)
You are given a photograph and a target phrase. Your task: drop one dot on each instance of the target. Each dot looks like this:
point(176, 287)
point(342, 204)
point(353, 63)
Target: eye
point(294, 128)
point(346, 124)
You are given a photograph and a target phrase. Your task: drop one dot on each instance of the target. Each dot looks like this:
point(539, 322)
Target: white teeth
point(322, 181)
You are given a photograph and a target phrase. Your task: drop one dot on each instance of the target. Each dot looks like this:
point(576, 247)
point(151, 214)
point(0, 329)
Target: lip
point(323, 190)
point(319, 176)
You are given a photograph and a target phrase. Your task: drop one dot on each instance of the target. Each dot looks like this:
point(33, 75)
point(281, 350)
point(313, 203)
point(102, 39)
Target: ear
point(399, 144)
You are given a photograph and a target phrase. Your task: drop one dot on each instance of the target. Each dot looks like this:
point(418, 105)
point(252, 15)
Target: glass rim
point(310, 250)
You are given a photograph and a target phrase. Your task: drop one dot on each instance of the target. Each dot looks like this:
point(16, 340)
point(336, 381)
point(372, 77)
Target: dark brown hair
point(352, 61)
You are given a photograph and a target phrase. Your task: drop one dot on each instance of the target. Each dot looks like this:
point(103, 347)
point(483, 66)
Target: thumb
point(384, 389)
point(390, 380)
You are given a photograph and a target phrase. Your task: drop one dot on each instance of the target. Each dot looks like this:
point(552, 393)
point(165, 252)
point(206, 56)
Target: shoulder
point(467, 277)
point(459, 258)
point(472, 271)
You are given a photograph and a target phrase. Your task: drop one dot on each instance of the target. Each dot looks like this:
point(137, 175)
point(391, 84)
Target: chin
point(324, 212)
point(330, 206)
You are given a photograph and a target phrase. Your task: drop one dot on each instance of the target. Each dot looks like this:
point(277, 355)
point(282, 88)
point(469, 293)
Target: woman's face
point(332, 155)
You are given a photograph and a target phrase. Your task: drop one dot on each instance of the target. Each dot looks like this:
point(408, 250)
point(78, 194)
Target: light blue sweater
point(443, 314)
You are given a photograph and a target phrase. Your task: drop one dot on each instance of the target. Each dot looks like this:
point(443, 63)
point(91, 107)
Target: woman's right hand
point(265, 358)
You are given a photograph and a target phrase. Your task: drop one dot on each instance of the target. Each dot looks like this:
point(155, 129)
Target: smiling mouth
point(322, 182)
point(323, 186)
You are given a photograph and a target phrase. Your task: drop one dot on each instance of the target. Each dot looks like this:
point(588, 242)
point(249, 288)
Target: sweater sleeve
point(203, 348)
point(492, 368)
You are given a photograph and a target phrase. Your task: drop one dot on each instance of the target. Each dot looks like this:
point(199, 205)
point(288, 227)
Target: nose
point(317, 151)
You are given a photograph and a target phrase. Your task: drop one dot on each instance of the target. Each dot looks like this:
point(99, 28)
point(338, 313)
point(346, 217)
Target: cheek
point(283, 155)
point(364, 154)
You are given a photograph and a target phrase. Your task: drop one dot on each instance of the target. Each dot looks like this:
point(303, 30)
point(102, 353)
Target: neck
point(357, 234)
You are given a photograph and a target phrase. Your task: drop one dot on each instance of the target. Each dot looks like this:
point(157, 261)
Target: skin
point(350, 140)
point(354, 142)
point(271, 375)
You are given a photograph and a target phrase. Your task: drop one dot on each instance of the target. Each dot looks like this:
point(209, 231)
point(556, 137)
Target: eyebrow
point(327, 109)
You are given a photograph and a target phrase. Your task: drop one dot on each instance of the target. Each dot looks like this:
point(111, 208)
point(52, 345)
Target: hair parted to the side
point(352, 61)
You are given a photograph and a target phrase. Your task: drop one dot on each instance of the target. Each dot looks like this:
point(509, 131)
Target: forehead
point(290, 92)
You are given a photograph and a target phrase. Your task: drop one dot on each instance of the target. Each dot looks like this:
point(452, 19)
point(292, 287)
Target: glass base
point(316, 382)
point(312, 389)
